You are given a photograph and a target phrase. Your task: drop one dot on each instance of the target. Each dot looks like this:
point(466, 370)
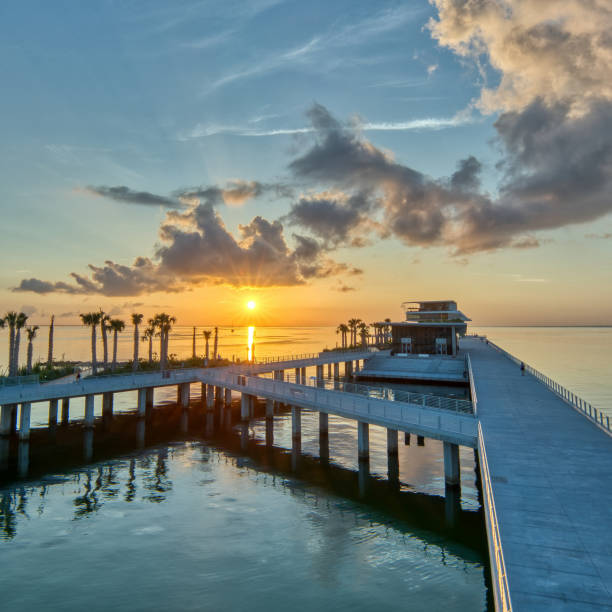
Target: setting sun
point(251, 304)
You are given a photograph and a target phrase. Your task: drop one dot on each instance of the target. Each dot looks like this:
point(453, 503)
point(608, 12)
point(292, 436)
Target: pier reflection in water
point(211, 517)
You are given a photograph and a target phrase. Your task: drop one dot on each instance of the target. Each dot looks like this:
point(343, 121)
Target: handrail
point(499, 579)
point(473, 395)
point(585, 408)
point(300, 356)
point(429, 401)
point(12, 381)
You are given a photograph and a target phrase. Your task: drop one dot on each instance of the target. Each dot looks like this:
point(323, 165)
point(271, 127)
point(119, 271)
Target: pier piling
point(24, 421)
point(65, 410)
point(451, 464)
point(363, 441)
point(142, 402)
point(89, 411)
point(53, 413)
point(296, 423)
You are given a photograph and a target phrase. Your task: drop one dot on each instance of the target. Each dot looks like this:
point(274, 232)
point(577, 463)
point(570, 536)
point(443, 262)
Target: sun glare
point(251, 304)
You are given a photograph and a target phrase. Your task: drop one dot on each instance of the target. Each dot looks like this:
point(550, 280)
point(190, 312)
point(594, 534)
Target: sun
point(251, 305)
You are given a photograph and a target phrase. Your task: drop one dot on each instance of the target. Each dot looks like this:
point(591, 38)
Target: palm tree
point(363, 333)
point(164, 322)
point(31, 332)
point(193, 348)
point(10, 319)
point(2, 322)
point(216, 344)
point(387, 329)
point(136, 321)
point(116, 325)
point(92, 319)
point(149, 333)
point(353, 323)
point(207, 334)
point(104, 319)
point(50, 353)
point(21, 321)
point(343, 329)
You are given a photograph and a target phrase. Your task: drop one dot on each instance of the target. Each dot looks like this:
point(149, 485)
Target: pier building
point(430, 327)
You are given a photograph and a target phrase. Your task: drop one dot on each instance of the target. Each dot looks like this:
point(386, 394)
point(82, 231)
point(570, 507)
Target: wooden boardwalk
point(551, 477)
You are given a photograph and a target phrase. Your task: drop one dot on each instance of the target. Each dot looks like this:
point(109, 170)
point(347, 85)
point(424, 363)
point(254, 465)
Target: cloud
point(129, 196)
point(604, 236)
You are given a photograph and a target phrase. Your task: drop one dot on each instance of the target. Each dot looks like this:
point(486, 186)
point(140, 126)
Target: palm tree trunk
point(11, 350)
point(207, 351)
point(50, 353)
point(104, 343)
point(161, 349)
point(150, 349)
point(94, 365)
point(216, 345)
point(30, 351)
point(193, 351)
point(136, 339)
point(115, 349)
point(16, 352)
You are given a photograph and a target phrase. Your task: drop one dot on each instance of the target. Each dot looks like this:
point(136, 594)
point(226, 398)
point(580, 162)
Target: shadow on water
point(58, 455)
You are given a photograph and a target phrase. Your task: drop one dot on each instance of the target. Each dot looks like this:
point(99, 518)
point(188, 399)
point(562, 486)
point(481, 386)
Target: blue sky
point(162, 97)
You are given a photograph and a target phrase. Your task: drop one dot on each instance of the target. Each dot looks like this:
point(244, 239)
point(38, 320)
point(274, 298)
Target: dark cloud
point(604, 236)
point(129, 196)
point(235, 193)
point(467, 176)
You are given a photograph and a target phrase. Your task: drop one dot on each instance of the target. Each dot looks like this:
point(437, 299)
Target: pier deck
point(551, 480)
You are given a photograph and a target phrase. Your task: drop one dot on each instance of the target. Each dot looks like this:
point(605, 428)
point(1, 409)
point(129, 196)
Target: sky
point(325, 159)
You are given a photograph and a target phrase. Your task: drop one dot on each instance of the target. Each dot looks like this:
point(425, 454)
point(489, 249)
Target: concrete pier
point(89, 411)
point(150, 397)
point(348, 368)
point(406, 439)
point(336, 371)
point(183, 395)
point(452, 476)
point(24, 421)
point(363, 441)
point(319, 372)
point(303, 376)
point(53, 404)
point(296, 423)
point(297, 375)
point(392, 455)
point(269, 408)
point(210, 397)
point(142, 402)
point(7, 420)
point(323, 424)
point(245, 406)
point(107, 406)
point(228, 398)
point(65, 410)
point(420, 441)
point(329, 373)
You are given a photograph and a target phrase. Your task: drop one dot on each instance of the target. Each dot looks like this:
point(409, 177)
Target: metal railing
point(12, 381)
point(582, 406)
point(499, 579)
point(420, 399)
point(468, 365)
point(301, 356)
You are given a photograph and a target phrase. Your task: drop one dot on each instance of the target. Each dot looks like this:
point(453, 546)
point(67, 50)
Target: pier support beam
point(89, 411)
point(392, 455)
point(183, 395)
point(420, 441)
point(142, 402)
point(7, 419)
point(150, 397)
point(227, 400)
point(336, 371)
point(210, 397)
point(303, 376)
point(323, 424)
point(296, 423)
point(319, 372)
point(329, 370)
point(107, 406)
point(218, 395)
point(452, 475)
point(324, 437)
point(245, 406)
point(406, 438)
point(24, 421)
point(363, 441)
point(348, 368)
point(65, 410)
point(53, 413)
point(269, 408)
point(297, 375)
point(357, 368)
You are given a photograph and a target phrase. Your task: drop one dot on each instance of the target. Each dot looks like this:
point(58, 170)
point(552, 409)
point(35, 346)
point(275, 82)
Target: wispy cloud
point(426, 123)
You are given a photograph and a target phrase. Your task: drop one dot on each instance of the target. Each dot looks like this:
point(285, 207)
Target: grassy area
point(47, 372)
point(173, 364)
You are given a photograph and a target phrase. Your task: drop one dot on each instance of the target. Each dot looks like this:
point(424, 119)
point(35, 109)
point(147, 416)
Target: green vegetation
point(46, 372)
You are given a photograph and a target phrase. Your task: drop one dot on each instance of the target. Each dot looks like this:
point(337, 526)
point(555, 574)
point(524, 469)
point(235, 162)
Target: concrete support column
point(269, 408)
point(203, 394)
point(329, 370)
point(150, 397)
point(210, 397)
point(452, 475)
point(392, 455)
point(218, 395)
point(142, 402)
point(228, 398)
point(319, 372)
point(323, 424)
point(24, 421)
point(406, 439)
point(336, 371)
point(107, 406)
point(348, 368)
point(420, 441)
point(297, 375)
point(363, 441)
point(65, 410)
point(357, 365)
point(453, 341)
point(183, 395)
point(324, 436)
point(89, 411)
point(296, 423)
point(245, 406)
point(303, 376)
point(279, 375)
point(6, 419)
point(53, 413)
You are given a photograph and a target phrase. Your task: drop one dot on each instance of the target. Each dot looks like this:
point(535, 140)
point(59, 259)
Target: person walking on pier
point(522, 368)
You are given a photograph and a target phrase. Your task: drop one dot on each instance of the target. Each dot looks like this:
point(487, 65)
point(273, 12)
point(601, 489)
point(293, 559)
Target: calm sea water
point(209, 517)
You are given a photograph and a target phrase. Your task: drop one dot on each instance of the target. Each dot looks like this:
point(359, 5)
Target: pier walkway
point(551, 482)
